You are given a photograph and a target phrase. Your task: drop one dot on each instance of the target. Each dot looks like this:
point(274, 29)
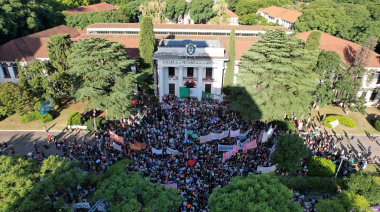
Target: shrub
point(319, 166)
point(319, 184)
point(46, 118)
point(377, 125)
point(342, 120)
point(365, 185)
point(75, 119)
point(118, 167)
point(283, 125)
point(99, 123)
point(31, 117)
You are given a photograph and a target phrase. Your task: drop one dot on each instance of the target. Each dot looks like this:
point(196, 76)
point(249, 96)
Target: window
point(190, 72)
point(208, 72)
point(208, 88)
point(171, 71)
point(4, 68)
point(373, 96)
point(15, 70)
point(171, 89)
point(378, 79)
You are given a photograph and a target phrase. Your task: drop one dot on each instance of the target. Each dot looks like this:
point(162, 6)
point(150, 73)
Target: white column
point(161, 81)
point(200, 77)
point(180, 77)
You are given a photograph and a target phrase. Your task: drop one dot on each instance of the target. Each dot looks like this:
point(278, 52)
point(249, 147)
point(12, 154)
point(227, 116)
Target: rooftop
point(92, 8)
point(184, 43)
point(278, 12)
point(231, 14)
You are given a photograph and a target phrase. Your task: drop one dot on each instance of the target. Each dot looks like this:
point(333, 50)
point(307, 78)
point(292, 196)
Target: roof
point(231, 14)
point(33, 46)
point(346, 49)
point(92, 8)
point(278, 12)
point(188, 26)
point(300, 3)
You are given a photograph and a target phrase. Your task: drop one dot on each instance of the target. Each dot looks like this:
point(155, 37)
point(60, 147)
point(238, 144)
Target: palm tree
point(220, 8)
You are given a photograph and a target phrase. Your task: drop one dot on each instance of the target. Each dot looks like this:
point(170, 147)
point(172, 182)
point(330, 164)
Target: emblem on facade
point(190, 49)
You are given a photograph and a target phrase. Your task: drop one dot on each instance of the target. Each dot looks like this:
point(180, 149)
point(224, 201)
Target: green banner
point(184, 92)
point(207, 95)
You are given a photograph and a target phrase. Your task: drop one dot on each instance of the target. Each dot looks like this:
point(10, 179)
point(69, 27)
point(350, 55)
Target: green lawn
point(59, 123)
point(362, 121)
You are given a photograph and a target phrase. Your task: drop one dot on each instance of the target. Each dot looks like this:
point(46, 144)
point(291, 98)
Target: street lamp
point(342, 159)
point(94, 121)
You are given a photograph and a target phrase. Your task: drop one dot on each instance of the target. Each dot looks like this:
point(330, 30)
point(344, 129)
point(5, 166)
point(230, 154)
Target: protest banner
point(170, 151)
point(272, 150)
point(136, 146)
point(218, 136)
point(116, 138)
point(235, 133)
point(265, 170)
point(206, 138)
point(241, 144)
point(242, 136)
point(250, 145)
point(172, 185)
point(114, 145)
point(230, 153)
point(224, 148)
point(157, 151)
point(260, 136)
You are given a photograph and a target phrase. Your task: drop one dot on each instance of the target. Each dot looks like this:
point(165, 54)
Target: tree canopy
point(100, 67)
point(147, 43)
point(245, 7)
point(131, 192)
point(367, 186)
point(82, 20)
point(230, 72)
point(201, 10)
point(175, 8)
point(289, 150)
point(276, 75)
point(346, 201)
point(254, 193)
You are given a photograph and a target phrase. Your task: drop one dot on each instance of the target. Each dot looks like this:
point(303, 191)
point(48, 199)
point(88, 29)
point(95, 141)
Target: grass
point(372, 169)
point(13, 122)
point(362, 127)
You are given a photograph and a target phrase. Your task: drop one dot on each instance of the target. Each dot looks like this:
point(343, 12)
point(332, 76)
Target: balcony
point(208, 79)
point(190, 78)
point(173, 77)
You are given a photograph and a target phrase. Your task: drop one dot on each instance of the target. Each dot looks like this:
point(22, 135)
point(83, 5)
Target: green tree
point(346, 201)
point(154, 9)
point(313, 41)
point(230, 72)
point(289, 150)
point(319, 166)
point(251, 19)
point(97, 64)
point(131, 192)
point(245, 7)
point(82, 20)
point(276, 75)
point(232, 4)
point(147, 43)
point(201, 10)
point(367, 186)
point(175, 9)
point(59, 5)
point(254, 193)
point(9, 98)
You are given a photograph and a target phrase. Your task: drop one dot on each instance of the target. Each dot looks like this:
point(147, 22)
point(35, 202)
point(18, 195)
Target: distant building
point(234, 17)
point(282, 16)
point(92, 8)
point(300, 3)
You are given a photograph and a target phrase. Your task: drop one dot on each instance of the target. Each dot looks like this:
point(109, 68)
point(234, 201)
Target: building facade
point(281, 16)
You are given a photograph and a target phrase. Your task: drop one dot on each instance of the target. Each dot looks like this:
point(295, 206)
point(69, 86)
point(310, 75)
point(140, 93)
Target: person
point(353, 138)
point(45, 129)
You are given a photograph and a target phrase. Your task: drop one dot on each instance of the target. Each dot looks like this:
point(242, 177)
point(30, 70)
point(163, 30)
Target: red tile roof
point(231, 14)
point(346, 49)
point(33, 46)
point(278, 12)
point(300, 3)
point(92, 8)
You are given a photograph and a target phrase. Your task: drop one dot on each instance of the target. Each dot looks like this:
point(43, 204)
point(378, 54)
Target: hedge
point(99, 123)
point(75, 119)
point(31, 117)
point(377, 125)
point(283, 125)
point(319, 184)
point(319, 166)
point(46, 118)
point(342, 120)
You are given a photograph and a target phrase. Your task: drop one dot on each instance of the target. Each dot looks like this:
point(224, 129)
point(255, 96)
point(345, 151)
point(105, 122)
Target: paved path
point(22, 142)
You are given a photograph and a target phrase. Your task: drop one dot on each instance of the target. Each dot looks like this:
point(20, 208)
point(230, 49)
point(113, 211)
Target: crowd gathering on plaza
point(171, 152)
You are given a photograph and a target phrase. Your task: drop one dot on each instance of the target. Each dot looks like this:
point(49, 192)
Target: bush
point(75, 119)
point(31, 117)
point(46, 118)
point(319, 166)
point(377, 125)
point(283, 125)
point(342, 120)
point(99, 123)
point(365, 185)
point(319, 184)
point(118, 167)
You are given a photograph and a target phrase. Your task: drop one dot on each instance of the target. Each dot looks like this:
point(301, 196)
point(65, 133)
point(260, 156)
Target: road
point(22, 142)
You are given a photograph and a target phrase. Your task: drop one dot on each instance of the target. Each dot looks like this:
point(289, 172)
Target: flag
point(272, 150)
point(116, 138)
point(260, 136)
point(206, 95)
point(230, 153)
point(136, 145)
point(196, 92)
point(184, 92)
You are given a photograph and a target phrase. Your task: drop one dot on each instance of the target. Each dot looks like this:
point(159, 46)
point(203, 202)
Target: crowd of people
point(195, 168)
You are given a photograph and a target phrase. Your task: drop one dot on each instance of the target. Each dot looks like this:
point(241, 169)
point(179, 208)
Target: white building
point(282, 16)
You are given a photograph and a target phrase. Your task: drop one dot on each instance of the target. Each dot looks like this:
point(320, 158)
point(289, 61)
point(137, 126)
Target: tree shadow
point(345, 134)
point(241, 101)
point(371, 118)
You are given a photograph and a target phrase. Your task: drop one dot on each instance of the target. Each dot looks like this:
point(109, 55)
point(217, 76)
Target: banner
point(116, 138)
point(136, 146)
point(114, 145)
point(265, 170)
point(206, 138)
point(242, 136)
point(157, 151)
point(250, 145)
point(272, 150)
point(234, 134)
point(196, 92)
point(270, 131)
point(260, 136)
point(230, 153)
point(170, 151)
point(241, 144)
point(206, 95)
point(218, 136)
point(224, 148)
point(267, 135)
point(184, 92)
point(173, 185)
